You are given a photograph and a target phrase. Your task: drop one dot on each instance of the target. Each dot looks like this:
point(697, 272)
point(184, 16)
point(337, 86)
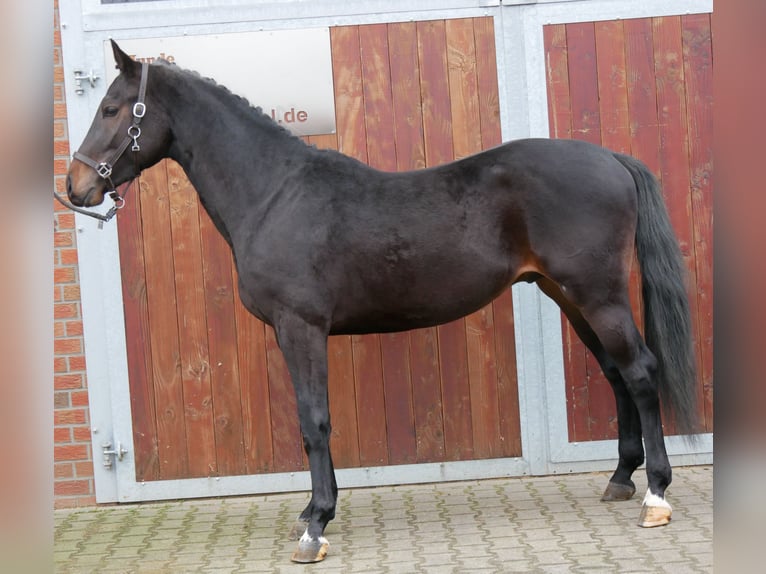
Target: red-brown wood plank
point(192, 325)
point(612, 85)
point(163, 328)
point(482, 375)
point(698, 73)
point(557, 76)
point(507, 378)
point(400, 419)
point(254, 388)
point(642, 93)
point(674, 154)
point(349, 97)
point(427, 396)
point(381, 154)
point(577, 390)
point(352, 140)
point(405, 95)
point(456, 395)
point(434, 92)
point(410, 154)
point(486, 78)
point(345, 428)
point(137, 341)
point(583, 82)
point(222, 348)
point(285, 428)
point(370, 403)
point(378, 99)
point(463, 85)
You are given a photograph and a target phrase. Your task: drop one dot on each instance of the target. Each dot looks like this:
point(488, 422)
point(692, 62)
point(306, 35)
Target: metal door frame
point(86, 24)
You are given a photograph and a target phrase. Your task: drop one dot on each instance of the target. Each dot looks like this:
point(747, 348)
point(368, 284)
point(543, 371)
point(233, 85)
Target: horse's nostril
point(69, 186)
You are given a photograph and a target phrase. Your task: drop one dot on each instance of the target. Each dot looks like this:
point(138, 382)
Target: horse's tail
point(667, 321)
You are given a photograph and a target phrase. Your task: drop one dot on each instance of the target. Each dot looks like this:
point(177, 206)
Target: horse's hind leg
point(304, 347)
point(630, 447)
point(618, 334)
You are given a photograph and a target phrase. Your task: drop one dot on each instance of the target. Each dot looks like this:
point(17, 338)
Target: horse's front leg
point(304, 347)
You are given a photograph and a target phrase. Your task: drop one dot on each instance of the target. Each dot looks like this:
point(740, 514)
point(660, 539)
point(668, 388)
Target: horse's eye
point(110, 111)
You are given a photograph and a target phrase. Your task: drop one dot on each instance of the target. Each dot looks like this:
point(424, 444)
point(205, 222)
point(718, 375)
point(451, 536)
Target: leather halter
point(104, 168)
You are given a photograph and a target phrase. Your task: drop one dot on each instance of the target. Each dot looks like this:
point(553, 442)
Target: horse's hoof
point(311, 549)
point(655, 511)
point(652, 516)
point(298, 529)
point(615, 491)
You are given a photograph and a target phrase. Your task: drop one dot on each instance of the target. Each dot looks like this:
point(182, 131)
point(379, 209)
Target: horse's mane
point(256, 112)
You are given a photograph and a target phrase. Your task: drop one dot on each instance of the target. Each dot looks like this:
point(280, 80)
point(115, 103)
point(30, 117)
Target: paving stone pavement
point(552, 524)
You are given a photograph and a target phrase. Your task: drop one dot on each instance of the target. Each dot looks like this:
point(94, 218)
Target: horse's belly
point(403, 305)
point(388, 323)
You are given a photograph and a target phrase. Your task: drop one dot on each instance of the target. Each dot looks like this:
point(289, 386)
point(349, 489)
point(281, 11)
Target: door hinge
point(118, 454)
point(79, 76)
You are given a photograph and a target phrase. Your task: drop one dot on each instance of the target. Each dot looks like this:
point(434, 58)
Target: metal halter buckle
point(134, 132)
point(139, 109)
point(104, 170)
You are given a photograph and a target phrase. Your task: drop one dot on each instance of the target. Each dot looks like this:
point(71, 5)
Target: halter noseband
point(104, 168)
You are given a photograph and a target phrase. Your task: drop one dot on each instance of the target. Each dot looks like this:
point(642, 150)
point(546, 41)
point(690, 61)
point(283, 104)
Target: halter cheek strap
point(104, 168)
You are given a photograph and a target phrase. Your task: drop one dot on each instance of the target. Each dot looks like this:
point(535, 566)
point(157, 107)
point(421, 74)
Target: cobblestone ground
point(542, 524)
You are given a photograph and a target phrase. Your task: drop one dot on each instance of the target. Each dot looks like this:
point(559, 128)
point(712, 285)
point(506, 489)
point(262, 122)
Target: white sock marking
point(307, 538)
point(652, 499)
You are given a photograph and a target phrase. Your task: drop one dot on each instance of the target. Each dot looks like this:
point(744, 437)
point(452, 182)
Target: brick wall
point(73, 468)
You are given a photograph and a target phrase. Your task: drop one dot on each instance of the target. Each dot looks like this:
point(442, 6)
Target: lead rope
point(104, 168)
point(102, 218)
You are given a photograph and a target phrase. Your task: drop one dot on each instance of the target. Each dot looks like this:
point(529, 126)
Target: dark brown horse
point(326, 245)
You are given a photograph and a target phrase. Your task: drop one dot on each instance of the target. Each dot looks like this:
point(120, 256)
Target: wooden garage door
point(642, 87)
point(210, 391)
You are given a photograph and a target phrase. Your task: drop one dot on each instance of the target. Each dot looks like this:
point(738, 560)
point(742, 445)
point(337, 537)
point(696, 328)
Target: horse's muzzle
point(88, 199)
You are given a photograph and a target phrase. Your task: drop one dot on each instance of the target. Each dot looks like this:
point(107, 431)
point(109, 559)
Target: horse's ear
point(127, 65)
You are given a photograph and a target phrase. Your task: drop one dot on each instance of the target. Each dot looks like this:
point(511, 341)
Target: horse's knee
point(315, 425)
point(316, 434)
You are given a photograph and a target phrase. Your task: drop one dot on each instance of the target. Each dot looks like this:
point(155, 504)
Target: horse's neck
point(232, 158)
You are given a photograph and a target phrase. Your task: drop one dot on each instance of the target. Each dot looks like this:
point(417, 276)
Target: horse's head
point(128, 134)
